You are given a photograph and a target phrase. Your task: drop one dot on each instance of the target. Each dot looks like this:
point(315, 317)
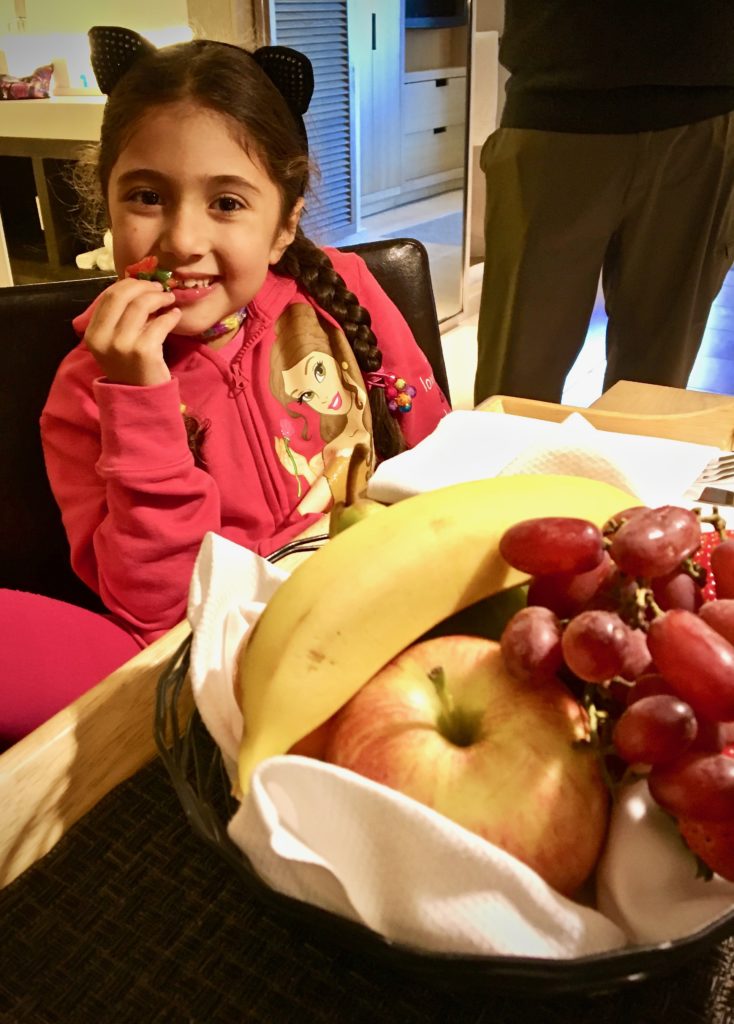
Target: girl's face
point(315, 380)
point(184, 190)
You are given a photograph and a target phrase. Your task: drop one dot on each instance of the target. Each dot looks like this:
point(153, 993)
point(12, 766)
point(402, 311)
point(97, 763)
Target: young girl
point(171, 419)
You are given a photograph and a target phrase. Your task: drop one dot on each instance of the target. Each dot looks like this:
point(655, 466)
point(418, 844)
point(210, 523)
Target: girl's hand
point(127, 330)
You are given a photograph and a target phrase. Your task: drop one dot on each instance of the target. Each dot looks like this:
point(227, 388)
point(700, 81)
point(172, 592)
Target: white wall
point(53, 30)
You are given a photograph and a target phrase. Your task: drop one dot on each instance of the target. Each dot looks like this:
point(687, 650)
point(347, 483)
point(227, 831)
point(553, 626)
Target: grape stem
point(600, 729)
point(715, 519)
point(651, 605)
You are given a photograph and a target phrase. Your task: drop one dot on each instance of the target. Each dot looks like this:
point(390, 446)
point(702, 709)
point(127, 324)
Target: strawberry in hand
point(145, 266)
point(147, 270)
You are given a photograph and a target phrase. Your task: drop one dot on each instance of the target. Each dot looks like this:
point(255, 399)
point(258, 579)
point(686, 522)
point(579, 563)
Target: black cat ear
point(291, 72)
point(113, 50)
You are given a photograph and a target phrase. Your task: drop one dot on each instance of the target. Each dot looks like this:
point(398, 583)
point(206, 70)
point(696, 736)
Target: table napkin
point(344, 843)
point(472, 445)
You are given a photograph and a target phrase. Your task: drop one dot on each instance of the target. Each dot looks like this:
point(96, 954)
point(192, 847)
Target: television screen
point(435, 13)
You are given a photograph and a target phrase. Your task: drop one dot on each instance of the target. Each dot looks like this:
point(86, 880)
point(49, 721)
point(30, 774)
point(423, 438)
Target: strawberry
point(147, 269)
point(709, 540)
point(145, 266)
point(712, 842)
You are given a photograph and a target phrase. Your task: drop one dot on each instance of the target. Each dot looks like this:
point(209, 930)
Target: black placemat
point(131, 918)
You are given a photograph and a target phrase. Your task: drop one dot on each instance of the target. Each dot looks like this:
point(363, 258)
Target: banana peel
point(372, 591)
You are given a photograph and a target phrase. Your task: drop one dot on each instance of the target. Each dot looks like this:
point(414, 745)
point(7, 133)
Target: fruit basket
point(198, 774)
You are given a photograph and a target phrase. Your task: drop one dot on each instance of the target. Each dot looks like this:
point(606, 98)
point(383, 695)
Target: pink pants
point(50, 653)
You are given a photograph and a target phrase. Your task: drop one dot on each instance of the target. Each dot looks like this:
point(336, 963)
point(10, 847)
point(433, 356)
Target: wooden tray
point(631, 408)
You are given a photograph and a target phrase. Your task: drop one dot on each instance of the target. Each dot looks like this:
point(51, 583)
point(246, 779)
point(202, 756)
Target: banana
point(375, 588)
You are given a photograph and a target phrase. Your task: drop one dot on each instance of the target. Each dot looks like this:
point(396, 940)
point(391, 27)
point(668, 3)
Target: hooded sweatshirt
point(279, 410)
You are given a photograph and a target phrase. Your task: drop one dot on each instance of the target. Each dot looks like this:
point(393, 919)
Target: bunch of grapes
point(642, 629)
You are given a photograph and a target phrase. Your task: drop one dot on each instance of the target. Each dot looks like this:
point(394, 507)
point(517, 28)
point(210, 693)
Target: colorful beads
point(398, 392)
point(402, 398)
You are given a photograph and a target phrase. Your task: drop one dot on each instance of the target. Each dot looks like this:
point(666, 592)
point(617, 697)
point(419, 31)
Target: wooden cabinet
point(434, 103)
point(410, 93)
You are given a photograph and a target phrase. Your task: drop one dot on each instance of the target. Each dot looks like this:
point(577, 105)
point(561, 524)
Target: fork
point(719, 468)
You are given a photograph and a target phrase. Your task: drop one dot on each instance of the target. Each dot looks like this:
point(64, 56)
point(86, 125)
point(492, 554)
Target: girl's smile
point(184, 189)
point(187, 295)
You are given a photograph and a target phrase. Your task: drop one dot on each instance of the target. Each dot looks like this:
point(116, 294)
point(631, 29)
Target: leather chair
point(401, 266)
point(37, 334)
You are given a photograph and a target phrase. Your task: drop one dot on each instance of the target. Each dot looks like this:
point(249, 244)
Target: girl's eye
point(319, 372)
point(146, 196)
point(306, 397)
point(228, 204)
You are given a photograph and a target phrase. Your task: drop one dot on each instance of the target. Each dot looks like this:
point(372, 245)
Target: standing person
point(163, 423)
point(615, 155)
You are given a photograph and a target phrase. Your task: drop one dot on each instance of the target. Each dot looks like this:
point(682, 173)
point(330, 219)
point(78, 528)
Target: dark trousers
point(652, 212)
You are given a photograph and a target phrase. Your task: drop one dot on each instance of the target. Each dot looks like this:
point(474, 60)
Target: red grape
point(696, 661)
point(614, 522)
point(722, 568)
point(567, 593)
point(655, 541)
point(649, 684)
point(594, 644)
point(719, 614)
point(713, 737)
point(696, 786)
point(531, 644)
point(654, 730)
point(636, 658)
point(677, 590)
point(552, 544)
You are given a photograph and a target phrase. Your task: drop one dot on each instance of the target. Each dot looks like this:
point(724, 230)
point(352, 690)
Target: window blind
point(318, 28)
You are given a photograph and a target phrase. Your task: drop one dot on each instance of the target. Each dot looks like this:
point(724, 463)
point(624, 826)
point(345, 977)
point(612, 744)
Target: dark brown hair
point(228, 80)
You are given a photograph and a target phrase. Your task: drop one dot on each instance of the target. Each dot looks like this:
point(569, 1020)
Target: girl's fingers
point(146, 298)
point(127, 331)
point(136, 318)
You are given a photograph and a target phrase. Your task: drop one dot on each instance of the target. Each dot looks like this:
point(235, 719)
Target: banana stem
point(357, 460)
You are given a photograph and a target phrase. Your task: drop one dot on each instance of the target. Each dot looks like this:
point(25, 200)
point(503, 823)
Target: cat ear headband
point(114, 50)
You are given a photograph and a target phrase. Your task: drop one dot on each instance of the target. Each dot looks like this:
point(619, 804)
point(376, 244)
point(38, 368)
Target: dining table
point(113, 909)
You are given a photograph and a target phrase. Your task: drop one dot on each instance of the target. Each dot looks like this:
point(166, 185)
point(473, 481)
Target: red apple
point(446, 724)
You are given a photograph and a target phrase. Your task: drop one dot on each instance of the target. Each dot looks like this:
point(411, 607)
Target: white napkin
point(352, 846)
point(229, 588)
point(646, 879)
point(472, 445)
point(330, 837)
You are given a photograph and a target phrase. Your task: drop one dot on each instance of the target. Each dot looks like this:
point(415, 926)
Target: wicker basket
point(200, 780)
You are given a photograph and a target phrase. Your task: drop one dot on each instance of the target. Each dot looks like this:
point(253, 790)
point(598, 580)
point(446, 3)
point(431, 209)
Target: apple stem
point(438, 678)
point(459, 727)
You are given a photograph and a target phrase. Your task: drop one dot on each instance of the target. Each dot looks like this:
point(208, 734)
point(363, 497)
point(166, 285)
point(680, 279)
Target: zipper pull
point(238, 382)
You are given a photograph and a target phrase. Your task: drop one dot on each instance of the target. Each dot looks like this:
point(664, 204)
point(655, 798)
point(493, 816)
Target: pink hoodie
point(135, 504)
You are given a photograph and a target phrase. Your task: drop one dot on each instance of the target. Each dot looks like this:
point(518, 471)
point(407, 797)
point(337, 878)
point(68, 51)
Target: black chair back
point(35, 321)
point(401, 266)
